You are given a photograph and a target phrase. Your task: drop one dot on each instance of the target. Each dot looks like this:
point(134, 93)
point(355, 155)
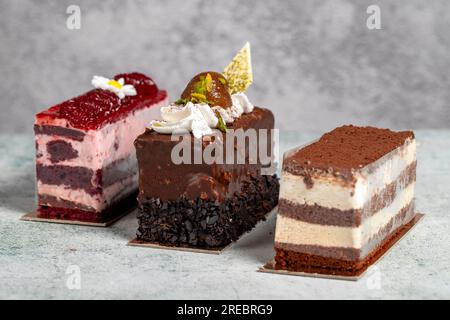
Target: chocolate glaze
point(160, 178)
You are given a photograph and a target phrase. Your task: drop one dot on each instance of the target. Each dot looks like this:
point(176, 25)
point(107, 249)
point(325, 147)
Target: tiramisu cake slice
point(85, 159)
point(343, 199)
point(195, 202)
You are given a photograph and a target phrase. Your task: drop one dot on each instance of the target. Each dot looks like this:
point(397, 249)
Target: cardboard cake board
point(269, 267)
point(33, 216)
point(154, 245)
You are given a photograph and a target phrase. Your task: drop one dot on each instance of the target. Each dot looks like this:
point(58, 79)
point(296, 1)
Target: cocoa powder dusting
point(350, 147)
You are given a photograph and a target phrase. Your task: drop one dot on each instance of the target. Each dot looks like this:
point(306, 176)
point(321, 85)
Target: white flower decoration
point(118, 87)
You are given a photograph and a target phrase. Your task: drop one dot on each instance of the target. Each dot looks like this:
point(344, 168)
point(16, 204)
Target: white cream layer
point(98, 202)
point(326, 192)
point(98, 147)
point(297, 232)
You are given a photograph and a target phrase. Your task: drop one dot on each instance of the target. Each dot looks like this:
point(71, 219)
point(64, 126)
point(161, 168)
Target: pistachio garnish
point(221, 125)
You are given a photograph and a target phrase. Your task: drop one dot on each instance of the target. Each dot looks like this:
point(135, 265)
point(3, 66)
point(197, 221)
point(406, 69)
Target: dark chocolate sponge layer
point(207, 223)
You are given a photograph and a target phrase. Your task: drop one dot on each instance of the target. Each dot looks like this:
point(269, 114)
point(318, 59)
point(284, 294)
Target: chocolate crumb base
point(303, 262)
point(108, 214)
point(207, 223)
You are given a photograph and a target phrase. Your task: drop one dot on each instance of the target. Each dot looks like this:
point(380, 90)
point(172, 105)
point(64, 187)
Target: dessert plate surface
point(269, 267)
point(154, 245)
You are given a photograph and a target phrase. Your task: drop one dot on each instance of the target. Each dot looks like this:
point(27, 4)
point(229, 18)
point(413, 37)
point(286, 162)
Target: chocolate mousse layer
point(160, 177)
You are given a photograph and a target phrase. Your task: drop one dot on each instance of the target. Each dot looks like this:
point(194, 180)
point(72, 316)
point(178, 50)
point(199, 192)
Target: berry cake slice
point(86, 167)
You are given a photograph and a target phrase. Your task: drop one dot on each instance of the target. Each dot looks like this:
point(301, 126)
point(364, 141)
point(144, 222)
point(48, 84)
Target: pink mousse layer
point(100, 147)
point(104, 142)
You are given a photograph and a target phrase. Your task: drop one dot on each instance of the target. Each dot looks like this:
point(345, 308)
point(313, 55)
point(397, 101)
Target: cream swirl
point(195, 118)
point(241, 105)
point(199, 118)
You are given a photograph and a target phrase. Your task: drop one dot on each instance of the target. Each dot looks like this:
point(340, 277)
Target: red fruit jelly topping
point(98, 107)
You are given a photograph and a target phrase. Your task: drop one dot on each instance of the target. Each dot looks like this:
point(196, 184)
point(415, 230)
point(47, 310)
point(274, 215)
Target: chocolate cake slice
point(200, 203)
point(343, 199)
point(85, 160)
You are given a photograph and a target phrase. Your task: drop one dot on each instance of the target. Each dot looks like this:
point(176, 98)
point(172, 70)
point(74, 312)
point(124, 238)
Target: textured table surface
point(35, 258)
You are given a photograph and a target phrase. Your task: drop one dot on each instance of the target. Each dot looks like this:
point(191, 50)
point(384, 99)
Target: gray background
point(316, 64)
